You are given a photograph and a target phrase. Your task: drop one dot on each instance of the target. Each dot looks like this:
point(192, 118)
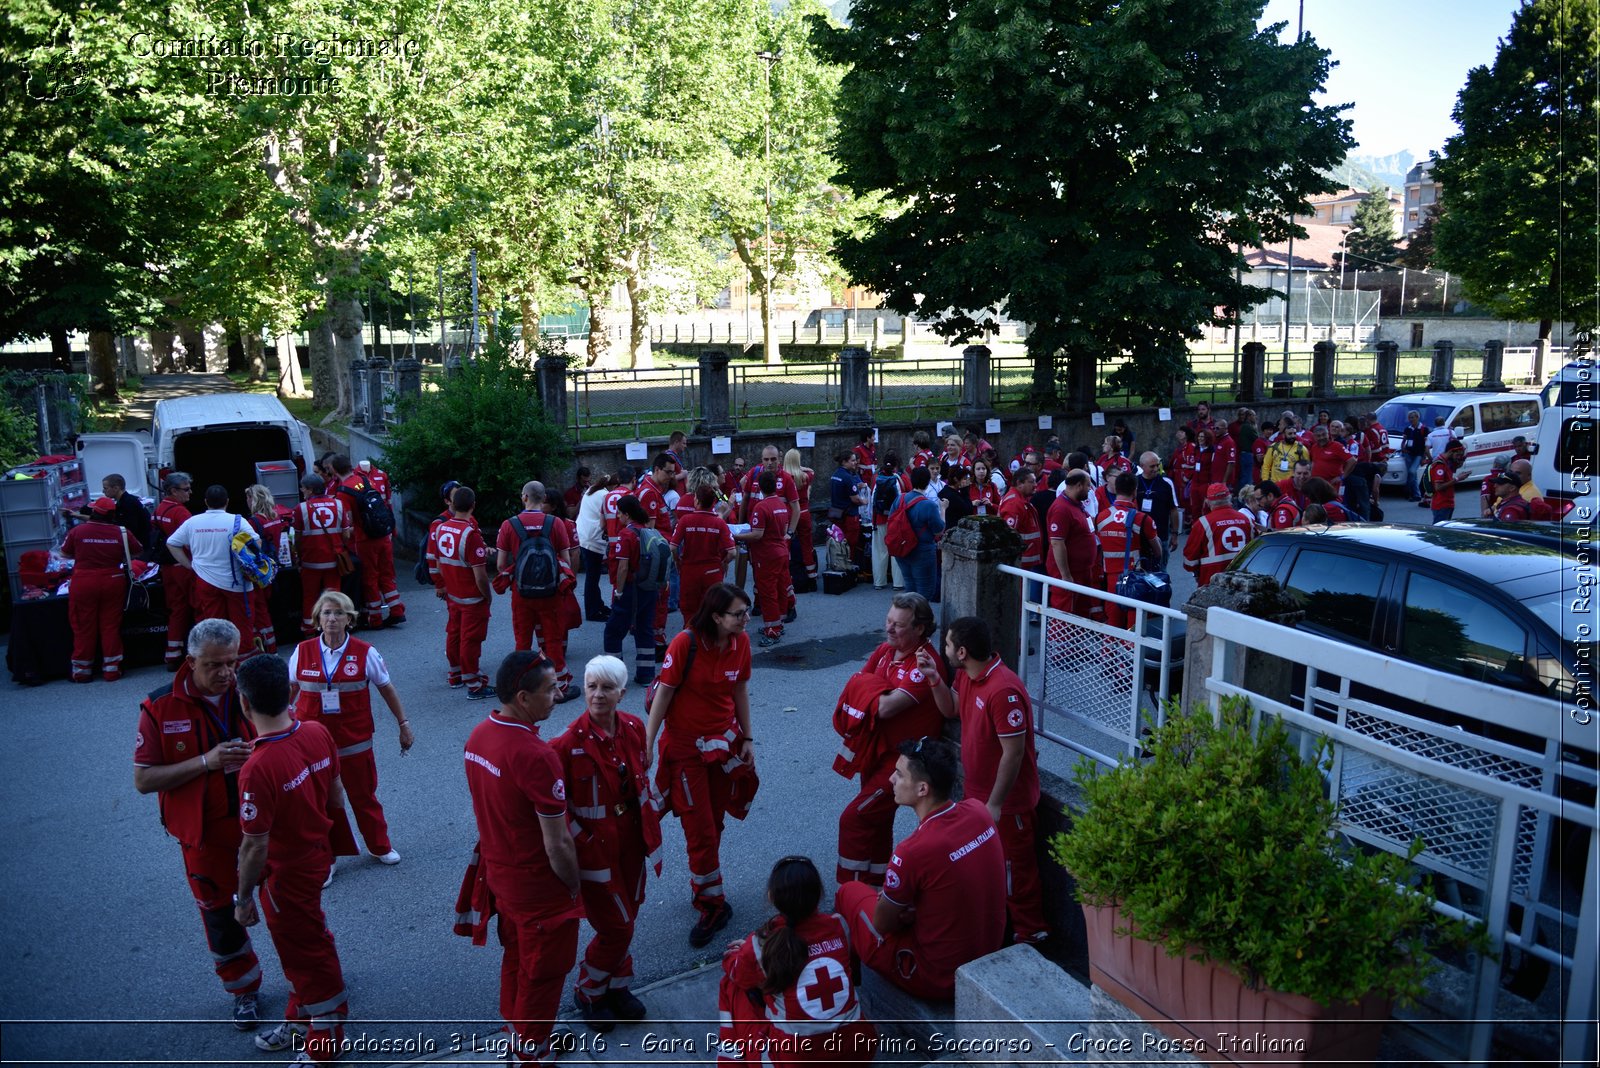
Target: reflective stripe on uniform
point(249, 977)
point(359, 747)
point(595, 875)
point(322, 1008)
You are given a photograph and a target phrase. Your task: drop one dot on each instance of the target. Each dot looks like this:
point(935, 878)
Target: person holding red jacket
point(788, 994)
point(332, 678)
point(700, 711)
point(616, 829)
point(99, 549)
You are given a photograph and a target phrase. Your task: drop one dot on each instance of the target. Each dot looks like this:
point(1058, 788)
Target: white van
point(1485, 422)
point(1564, 454)
point(217, 438)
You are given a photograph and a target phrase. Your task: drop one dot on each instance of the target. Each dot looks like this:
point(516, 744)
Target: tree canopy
point(1372, 227)
point(1088, 164)
point(1517, 219)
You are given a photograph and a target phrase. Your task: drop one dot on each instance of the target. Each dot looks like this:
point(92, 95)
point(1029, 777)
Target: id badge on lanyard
point(330, 696)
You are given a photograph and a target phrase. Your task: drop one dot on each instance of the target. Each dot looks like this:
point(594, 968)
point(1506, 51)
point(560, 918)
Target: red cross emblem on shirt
point(825, 989)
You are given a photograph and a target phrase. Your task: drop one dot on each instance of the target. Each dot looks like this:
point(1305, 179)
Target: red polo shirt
point(515, 778)
point(703, 703)
point(993, 706)
point(701, 538)
point(509, 539)
point(1068, 522)
point(283, 792)
point(921, 719)
point(1022, 517)
point(770, 516)
point(1327, 461)
point(654, 501)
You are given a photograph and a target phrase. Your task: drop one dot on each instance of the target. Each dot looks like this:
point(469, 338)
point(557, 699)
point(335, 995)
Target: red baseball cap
point(103, 506)
point(1218, 492)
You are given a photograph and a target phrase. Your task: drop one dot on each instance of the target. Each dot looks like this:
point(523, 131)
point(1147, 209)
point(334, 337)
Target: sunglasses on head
point(533, 669)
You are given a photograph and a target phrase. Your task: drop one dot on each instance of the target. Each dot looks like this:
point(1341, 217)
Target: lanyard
point(322, 651)
point(280, 736)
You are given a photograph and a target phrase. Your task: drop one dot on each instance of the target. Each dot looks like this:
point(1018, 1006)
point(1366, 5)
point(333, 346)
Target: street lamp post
point(769, 338)
point(1333, 314)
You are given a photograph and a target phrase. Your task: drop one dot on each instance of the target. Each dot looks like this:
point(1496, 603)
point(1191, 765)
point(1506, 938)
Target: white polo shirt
point(208, 539)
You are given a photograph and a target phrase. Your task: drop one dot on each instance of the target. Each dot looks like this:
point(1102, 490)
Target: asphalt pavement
point(108, 959)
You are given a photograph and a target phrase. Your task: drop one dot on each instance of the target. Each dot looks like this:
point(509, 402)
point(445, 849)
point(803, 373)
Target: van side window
point(1338, 593)
point(1465, 421)
point(1575, 446)
point(1451, 629)
point(1508, 415)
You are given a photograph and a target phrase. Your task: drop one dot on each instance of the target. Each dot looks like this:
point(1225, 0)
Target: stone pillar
point(552, 375)
point(972, 553)
point(1444, 365)
point(849, 330)
point(1253, 595)
point(1388, 367)
point(1252, 372)
point(977, 401)
point(855, 388)
point(1541, 349)
point(877, 333)
point(1494, 354)
point(376, 416)
point(1324, 355)
point(358, 393)
point(408, 379)
point(715, 417)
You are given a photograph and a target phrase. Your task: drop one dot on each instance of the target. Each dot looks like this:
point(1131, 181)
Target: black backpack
point(655, 556)
point(377, 518)
point(537, 572)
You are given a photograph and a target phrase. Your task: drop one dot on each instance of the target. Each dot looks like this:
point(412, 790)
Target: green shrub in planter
point(1223, 842)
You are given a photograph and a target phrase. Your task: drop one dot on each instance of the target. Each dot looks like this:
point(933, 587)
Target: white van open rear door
point(126, 454)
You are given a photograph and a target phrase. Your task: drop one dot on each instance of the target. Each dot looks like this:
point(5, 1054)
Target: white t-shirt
point(377, 670)
point(208, 538)
point(1438, 438)
point(591, 522)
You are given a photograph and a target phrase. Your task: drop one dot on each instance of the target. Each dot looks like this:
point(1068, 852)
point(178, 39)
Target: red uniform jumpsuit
point(271, 530)
point(1214, 540)
point(1224, 454)
point(98, 593)
point(702, 541)
point(378, 587)
point(177, 583)
point(866, 826)
point(951, 871)
point(804, 533)
point(1184, 469)
point(319, 526)
point(653, 500)
point(1021, 516)
point(1200, 465)
point(751, 491)
point(1442, 474)
point(815, 1019)
point(516, 781)
point(699, 742)
point(769, 556)
point(334, 691)
point(617, 832)
point(541, 618)
point(1112, 530)
point(1067, 522)
point(176, 724)
point(284, 791)
point(993, 706)
point(459, 548)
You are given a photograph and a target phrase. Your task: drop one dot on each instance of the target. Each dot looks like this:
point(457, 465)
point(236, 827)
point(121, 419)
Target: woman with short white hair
point(617, 832)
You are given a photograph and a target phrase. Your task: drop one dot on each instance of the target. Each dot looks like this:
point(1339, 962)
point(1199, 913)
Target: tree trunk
point(255, 353)
point(638, 322)
point(234, 340)
point(324, 383)
point(291, 383)
point(769, 334)
point(530, 329)
point(344, 314)
point(161, 360)
point(599, 338)
point(1546, 327)
point(60, 349)
point(103, 364)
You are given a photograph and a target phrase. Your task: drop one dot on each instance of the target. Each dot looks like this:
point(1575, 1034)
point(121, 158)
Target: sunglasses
point(533, 669)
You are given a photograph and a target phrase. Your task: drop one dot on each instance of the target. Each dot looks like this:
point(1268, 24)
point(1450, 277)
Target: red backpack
point(898, 537)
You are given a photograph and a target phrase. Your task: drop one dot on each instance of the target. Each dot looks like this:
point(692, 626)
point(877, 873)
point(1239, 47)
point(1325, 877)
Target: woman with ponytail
point(788, 993)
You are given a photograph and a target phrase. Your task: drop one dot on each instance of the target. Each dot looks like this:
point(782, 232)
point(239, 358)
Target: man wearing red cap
point(1216, 537)
point(99, 589)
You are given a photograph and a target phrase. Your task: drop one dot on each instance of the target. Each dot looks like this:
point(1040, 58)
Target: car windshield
point(1393, 414)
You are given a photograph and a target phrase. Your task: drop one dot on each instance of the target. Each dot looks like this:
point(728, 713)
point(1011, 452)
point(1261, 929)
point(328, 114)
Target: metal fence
point(787, 394)
point(629, 400)
point(917, 388)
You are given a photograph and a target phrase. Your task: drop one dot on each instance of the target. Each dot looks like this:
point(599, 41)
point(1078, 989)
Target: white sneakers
point(329, 880)
point(390, 857)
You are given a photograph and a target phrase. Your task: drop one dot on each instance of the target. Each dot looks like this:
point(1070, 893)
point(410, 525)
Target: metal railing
point(1010, 381)
point(920, 387)
point(786, 394)
point(630, 399)
point(1490, 792)
point(1099, 686)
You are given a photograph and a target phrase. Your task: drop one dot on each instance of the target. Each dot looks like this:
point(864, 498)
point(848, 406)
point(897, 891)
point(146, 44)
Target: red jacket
point(319, 526)
point(1215, 539)
point(351, 724)
point(177, 724)
point(855, 720)
point(605, 780)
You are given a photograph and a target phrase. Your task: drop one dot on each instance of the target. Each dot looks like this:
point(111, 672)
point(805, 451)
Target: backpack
point(1150, 585)
point(898, 537)
point(654, 556)
point(537, 573)
point(257, 566)
point(377, 518)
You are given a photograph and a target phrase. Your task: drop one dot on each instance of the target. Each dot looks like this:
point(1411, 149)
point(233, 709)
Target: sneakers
point(624, 1005)
point(791, 615)
point(280, 1038)
point(569, 693)
point(600, 616)
point(598, 1015)
point(390, 857)
point(708, 924)
point(454, 681)
point(479, 692)
point(244, 1012)
point(329, 880)
point(767, 641)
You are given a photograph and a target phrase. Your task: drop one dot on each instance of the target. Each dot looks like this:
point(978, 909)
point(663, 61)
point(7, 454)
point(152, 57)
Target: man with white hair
point(192, 739)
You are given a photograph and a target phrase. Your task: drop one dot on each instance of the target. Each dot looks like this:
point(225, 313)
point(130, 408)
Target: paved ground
point(142, 404)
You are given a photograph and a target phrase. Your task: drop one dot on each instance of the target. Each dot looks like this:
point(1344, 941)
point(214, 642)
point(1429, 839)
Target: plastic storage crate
point(282, 478)
point(36, 493)
point(45, 525)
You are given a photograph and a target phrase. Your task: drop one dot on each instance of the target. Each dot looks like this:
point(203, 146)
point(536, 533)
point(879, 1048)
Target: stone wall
point(1466, 331)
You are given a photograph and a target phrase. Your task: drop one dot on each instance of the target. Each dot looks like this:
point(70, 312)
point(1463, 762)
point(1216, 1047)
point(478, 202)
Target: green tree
point(1518, 214)
point(1372, 227)
point(1419, 250)
point(1090, 164)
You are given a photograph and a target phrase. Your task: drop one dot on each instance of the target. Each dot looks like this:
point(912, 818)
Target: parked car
point(859, 318)
point(1572, 538)
point(1485, 422)
point(217, 438)
point(1473, 603)
point(1574, 382)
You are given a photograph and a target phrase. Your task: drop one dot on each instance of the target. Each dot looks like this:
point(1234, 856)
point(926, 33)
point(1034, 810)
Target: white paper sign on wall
point(1164, 414)
point(805, 439)
point(991, 426)
point(721, 446)
point(1097, 419)
point(1046, 422)
point(943, 428)
point(637, 450)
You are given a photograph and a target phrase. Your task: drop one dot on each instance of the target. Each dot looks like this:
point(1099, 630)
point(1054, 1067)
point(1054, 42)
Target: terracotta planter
point(1238, 1024)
